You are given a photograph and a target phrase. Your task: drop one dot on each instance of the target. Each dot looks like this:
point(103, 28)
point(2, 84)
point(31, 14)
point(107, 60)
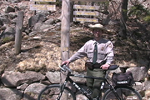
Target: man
point(100, 54)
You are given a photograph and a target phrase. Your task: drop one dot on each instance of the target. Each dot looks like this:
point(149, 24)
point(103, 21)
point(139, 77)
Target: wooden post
point(65, 30)
point(18, 36)
point(65, 36)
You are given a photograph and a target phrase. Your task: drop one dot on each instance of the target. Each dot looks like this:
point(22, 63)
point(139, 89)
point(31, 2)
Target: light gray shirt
point(105, 51)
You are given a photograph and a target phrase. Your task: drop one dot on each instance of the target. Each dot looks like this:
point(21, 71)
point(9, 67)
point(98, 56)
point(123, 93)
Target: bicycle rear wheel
point(53, 92)
point(124, 93)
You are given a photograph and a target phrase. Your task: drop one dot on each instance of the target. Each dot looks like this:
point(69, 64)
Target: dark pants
point(95, 84)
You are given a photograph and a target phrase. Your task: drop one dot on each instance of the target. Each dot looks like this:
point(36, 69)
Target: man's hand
point(66, 62)
point(105, 66)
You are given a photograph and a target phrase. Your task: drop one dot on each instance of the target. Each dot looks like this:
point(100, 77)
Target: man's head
point(97, 30)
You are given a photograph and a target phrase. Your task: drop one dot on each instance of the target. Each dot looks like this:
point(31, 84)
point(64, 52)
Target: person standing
point(99, 53)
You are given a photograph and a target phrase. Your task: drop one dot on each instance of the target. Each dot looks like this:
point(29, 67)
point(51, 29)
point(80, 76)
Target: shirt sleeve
point(109, 52)
point(79, 54)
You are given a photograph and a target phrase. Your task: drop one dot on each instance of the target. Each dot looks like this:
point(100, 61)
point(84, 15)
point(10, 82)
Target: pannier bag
point(125, 79)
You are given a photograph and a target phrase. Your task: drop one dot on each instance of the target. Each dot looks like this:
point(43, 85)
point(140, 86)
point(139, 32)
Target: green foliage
point(6, 39)
point(58, 3)
point(138, 12)
point(147, 18)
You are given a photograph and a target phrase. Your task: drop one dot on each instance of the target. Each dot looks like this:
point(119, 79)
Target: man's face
point(97, 33)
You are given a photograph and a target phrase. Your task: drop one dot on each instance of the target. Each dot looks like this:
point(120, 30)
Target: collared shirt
point(105, 51)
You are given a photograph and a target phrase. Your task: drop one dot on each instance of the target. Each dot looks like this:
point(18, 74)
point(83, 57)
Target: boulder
point(139, 73)
point(32, 91)
point(10, 94)
point(14, 79)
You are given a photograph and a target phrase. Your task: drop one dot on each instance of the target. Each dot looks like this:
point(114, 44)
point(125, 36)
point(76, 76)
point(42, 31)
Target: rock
point(147, 85)
point(10, 94)
point(2, 68)
point(1, 22)
point(148, 72)
point(147, 94)
point(36, 18)
point(139, 86)
point(139, 73)
point(53, 77)
point(4, 20)
point(42, 27)
point(9, 9)
point(23, 86)
point(49, 21)
point(8, 34)
point(14, 79)
point(32, 91)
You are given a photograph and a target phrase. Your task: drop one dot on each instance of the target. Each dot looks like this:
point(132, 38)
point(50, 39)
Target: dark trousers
point(94, 84)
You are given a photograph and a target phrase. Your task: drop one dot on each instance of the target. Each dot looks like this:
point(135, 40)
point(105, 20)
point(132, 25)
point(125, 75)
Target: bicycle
point(60, 91)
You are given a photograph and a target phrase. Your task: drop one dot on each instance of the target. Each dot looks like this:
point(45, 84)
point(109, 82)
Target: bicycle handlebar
point(65, 68)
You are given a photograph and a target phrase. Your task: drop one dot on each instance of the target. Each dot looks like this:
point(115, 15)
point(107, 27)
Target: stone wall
point(27, 85)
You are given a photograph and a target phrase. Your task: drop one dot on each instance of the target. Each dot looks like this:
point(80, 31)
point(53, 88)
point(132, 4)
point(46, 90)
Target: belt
point(92, 66)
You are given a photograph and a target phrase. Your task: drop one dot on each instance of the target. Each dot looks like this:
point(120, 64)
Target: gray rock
point(53, 77)
point(10, 94)
point(14, 79)
point(36, 18)
point(139, 73)
point(49, 21)
point(13, 1)
point(8, 34)
point(9, 9)
point(147, 85)
point(32, 91)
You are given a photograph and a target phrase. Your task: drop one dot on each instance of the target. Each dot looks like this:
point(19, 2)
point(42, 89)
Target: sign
point(91, 0)
point(95, 20)
point(35, 5)
point(86, 7)
point(85, 13)
point(43, 0)
point(43, 7)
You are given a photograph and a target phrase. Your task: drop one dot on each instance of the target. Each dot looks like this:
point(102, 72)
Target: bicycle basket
point(119, 79)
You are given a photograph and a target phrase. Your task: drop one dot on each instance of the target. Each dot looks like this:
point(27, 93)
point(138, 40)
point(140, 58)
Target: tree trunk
point(124, 17)
point(124, 10)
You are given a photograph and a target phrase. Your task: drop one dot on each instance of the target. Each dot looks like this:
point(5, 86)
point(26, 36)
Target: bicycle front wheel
point(122, 93)
point(54, 92)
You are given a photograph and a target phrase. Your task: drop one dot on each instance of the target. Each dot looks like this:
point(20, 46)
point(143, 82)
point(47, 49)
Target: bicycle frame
point(83, 91)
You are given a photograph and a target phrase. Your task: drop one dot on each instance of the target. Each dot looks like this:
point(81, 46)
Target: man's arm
point(109, 56)
point(110, 53)
point(79, 54)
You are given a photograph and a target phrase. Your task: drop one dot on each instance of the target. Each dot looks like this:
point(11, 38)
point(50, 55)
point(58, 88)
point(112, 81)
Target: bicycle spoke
point(53, 93)
point(123, 94)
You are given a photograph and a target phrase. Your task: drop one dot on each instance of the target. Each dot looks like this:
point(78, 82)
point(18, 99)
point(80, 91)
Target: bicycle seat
point(113, 67)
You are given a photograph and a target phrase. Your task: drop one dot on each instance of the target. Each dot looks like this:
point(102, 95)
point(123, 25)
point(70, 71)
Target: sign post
point(65, 35)
point(65, 30)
